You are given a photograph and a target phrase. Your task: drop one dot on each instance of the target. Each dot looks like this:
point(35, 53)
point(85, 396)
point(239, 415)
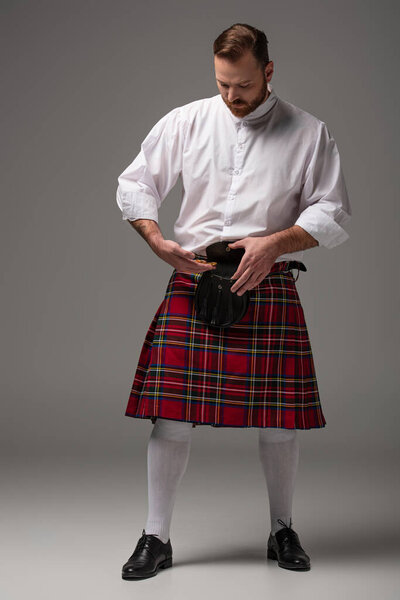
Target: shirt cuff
point(322, 227)
point(137, 205)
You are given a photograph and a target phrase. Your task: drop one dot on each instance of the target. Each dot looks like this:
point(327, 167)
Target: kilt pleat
point(258, 372)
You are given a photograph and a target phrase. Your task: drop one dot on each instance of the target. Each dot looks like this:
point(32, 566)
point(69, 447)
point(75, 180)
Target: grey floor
point(69, 523)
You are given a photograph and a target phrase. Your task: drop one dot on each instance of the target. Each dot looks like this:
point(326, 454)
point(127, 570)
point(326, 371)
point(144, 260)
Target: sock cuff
point(158, 528)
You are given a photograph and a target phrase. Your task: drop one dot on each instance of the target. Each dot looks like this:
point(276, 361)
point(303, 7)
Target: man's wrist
point(156, 241)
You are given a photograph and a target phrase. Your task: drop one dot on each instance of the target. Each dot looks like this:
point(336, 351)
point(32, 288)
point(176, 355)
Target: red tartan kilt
point(258, 372)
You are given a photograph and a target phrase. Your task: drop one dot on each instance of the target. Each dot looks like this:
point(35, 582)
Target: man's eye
point(242, 86)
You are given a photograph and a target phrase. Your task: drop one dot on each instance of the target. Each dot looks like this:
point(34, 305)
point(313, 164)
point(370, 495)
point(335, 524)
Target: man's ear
point(268, 70)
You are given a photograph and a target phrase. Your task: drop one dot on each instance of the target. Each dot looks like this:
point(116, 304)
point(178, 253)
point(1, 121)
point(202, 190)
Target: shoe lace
point(290, 534)
point(143, 542)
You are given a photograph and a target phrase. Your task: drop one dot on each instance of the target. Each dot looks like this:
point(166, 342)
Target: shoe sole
point(162, 565)
point(272, 555)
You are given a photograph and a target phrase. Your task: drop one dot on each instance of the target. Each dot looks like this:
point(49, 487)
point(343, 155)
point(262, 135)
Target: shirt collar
point(260, 111)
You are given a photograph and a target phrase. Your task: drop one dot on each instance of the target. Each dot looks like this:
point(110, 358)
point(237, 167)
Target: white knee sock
point(167, 457)
point(279, 455)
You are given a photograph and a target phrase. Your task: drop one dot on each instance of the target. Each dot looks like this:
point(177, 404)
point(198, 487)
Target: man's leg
point(279, 455)
point(167, 458)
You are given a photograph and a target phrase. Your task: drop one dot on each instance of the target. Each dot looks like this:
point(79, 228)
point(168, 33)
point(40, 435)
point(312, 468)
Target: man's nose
point(232, 96)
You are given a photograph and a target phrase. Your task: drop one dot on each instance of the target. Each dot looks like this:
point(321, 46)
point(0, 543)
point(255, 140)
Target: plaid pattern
point(258, 372)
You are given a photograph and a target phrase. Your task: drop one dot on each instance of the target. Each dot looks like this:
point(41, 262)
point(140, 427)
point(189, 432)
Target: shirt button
point(236, 172)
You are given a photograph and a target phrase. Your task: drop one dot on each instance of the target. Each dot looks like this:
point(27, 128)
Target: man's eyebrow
point(246, 81)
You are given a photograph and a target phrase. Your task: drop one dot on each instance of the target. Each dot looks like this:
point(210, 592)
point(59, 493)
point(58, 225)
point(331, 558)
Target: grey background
point(83, 83)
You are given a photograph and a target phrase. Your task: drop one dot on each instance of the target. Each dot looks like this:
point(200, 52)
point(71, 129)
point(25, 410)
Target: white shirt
point(253, 176)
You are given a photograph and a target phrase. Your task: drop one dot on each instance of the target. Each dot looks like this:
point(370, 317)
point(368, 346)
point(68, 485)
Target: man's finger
point(203, 266)
point(239, 271)
point(249, 285)
point(241, 280)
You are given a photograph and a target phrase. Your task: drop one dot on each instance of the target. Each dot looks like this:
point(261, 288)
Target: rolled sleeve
point(137, 205)
point(324, 204)
point(145, 183)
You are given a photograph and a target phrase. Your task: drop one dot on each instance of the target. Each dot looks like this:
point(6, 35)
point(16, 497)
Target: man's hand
point(260, 254)
point(179, 258)
point(168, 250)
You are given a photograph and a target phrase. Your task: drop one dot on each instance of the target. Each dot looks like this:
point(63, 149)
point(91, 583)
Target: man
point(258, 174)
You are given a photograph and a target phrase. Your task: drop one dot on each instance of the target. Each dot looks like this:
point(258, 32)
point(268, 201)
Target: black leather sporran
point(215, 304)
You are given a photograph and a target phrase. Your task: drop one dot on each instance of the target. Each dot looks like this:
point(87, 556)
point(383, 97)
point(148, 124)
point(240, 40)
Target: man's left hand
point(260, 254)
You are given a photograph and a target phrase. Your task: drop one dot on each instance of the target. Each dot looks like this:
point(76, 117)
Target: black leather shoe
point(285, 547)
point(150, 555)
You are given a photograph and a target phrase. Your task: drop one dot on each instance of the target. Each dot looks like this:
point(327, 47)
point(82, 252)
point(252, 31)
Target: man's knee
point(170, 429)
point(276, 434)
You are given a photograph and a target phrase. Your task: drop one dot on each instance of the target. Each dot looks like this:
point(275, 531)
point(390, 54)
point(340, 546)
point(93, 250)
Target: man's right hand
point(179, 258)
